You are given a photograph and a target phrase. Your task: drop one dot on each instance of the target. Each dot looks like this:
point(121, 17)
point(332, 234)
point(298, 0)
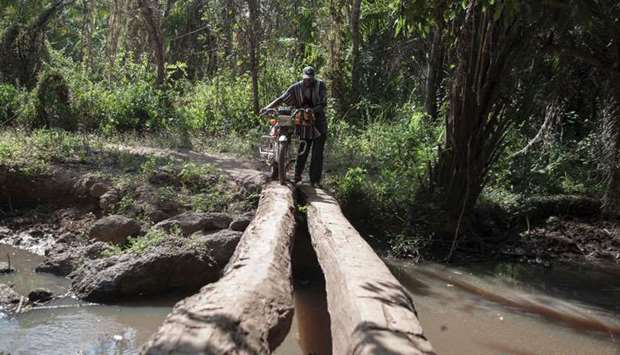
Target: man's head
point(308, 76)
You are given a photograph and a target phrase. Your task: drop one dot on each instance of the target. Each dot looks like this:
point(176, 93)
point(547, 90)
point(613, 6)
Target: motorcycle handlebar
point(273, 111)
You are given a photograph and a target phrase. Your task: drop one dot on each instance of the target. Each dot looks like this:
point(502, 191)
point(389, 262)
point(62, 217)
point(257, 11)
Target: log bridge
point(250, 309)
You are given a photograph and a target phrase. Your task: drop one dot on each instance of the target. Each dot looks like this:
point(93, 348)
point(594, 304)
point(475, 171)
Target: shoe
point(315, 184)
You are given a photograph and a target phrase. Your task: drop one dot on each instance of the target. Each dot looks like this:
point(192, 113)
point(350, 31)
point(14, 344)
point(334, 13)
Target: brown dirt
point(35, 209)
point(60, 186)
point(570, 240)
point(243, 172)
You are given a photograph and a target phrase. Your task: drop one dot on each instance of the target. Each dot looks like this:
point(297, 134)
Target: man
point(308, 93)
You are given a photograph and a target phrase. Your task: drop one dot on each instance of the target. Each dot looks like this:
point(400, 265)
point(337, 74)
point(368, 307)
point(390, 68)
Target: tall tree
point(476, 122)
point(435, 66)
point(254, 38)
point(88, 30)
point(151, 14)
point(355, 49)
point(117, 27)
point(22, 47)
point(336, 71)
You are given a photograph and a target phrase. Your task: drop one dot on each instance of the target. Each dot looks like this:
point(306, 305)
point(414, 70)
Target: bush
point(394, 154)
point(217, 106)
point(9, 98)
point(54, 102)
point(124, 96)
point(118, 97)
point(377, 171)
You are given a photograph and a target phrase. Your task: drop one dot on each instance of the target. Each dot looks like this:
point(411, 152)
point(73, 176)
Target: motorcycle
point(287, 127)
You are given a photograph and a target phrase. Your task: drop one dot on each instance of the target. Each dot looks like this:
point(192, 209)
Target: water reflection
point(68, 326)
point(310, 332)
point(514, 309)
point(313, 325)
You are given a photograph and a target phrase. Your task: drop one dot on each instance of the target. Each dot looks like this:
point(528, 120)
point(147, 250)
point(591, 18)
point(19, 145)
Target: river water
point(481, 309)
point(68, 326)
point(515, 309)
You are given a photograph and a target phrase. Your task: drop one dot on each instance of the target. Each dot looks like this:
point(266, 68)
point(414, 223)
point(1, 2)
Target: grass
point(35, 152)
point(141, 244)
point(198, 186)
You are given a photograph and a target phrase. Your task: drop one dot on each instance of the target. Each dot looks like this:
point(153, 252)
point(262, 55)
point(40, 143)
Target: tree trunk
point(611, 121)
point(228, 15)
point(152, 19)
point(434, 73)
point(475, 124)
point(355, 53)
point(254, 30)
point(87, 32)
point(337, 86)
point(120, 21)
point(22, 47)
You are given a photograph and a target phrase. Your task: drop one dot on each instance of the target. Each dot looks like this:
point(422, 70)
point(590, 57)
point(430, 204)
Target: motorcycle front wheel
point(282, 162)
point(274, 171)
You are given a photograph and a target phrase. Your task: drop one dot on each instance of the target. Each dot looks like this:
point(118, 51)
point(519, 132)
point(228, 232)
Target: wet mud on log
point(370, 311)
point(250, 309)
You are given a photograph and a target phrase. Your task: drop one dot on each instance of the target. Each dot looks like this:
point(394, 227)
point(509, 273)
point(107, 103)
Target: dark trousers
point(316, 164)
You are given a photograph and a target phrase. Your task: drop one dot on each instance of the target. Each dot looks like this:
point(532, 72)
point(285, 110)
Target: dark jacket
point(293, 97)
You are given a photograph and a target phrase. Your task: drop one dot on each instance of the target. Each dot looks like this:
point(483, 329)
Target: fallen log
point(370, 311)
point(250, 309)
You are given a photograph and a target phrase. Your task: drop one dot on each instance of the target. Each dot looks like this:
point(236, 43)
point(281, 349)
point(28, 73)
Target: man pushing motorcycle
point(309, 93)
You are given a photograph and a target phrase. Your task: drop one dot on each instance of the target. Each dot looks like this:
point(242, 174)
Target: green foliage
point(8, 102)
point(151, 164)
point(122, 96)
point(37, 150)
point(351, 186)
point(377, 171)
point(153, 237)
point(218, 105)
point(215, 200)
point(560, 165)
point(197, 177)
point(394, 154)
point(140, 244)
point(54, 102)
point(127, 202)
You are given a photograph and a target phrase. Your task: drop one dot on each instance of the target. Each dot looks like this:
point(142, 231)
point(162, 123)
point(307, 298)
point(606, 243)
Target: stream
point(481, 309)
point(69, 326)
point(517, 309)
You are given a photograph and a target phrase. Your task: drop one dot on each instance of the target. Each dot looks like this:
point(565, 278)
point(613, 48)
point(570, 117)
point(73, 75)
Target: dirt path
point(243, 172)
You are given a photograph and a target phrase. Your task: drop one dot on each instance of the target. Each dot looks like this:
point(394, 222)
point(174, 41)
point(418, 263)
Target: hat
point(308, 73)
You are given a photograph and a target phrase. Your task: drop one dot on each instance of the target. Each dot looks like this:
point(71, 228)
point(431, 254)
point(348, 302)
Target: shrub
point(9, 98)
point(54, 102)
point(197, 177)
point(217, 106)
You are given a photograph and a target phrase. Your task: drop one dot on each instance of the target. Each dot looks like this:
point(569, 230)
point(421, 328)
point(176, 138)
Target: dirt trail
point(241, 171)
point(370, 311)
point(250, 309)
